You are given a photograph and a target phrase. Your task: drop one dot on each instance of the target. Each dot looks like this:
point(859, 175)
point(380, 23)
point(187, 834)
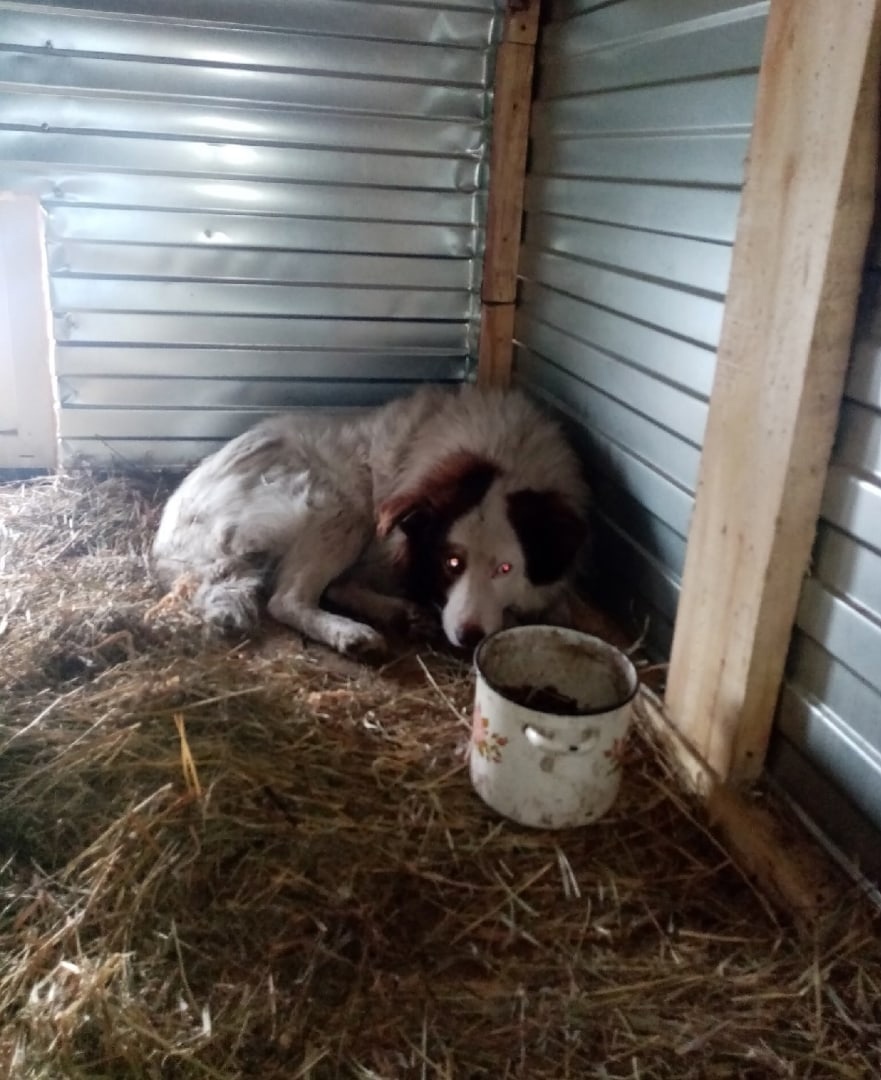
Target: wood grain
point(496, 344)
point(512, 99)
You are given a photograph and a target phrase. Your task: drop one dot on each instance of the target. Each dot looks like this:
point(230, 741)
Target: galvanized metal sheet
point(665, 405)
point(97, 433)
point(144, 453)
point(859, 439)
point(171, 362)
point(691, 159)
point(695, 317)
point(693, 263)
point(659, 543)
point(236, 161)
point(586, 24)
point(123, 406)
point(224, 233)
point(617, 558)
point(853, 765)
point(823, 678)
point(681, 211)
point(226, 86)
point(638, 148)
point(140, 35)
point(74, 295)
point(682, 363)
point(614, 433)
point(843, 630)
point(853, 503)
point(394, 21)
point(242, 331)
point(658, 590)
point(828, 717)
point(312, 172)
point(211, 423)
point(223, 128)
point(55, 185)
point(698, 47)
point(725, 102)
point(864, 376)
point(217, 264)
point(851, 570)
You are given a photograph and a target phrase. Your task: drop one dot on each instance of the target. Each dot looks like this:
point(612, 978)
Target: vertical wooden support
point(801, 240)
point(512, 98)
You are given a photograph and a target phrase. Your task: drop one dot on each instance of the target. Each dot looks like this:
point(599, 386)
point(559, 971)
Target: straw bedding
point(253, 859)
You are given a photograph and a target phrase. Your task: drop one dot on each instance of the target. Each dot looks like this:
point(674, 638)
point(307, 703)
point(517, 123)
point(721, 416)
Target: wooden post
point(512, 99)
point(769, 846)
point(801, 239)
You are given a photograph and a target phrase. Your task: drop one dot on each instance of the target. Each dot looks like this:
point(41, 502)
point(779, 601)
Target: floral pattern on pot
point(487, 743)
point(616, 754)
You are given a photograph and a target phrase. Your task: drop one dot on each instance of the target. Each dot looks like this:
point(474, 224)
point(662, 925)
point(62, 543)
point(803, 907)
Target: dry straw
point(252, 859)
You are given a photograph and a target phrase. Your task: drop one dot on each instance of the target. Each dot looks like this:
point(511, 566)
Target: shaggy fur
point(467, 501)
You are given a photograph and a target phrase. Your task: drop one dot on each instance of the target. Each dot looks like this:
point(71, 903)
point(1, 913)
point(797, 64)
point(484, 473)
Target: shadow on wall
point(616, 572)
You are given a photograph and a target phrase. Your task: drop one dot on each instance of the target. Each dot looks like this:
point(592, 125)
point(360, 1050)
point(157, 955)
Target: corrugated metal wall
point(827, 751)
point(639, 138)
point(250, 205)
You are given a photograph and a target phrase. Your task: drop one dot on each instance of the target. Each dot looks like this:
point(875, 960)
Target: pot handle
point(549, 745)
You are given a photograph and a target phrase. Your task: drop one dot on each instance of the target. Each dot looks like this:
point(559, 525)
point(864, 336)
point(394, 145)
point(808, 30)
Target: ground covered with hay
point(252, 859)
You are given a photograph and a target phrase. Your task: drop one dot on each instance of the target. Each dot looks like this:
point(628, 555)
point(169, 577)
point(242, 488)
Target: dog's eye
point(455, 564)
point(504, 568)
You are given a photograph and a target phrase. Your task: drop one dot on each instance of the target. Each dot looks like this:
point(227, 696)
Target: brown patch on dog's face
point(424, 515)
point(450, 489)
point(550, 532)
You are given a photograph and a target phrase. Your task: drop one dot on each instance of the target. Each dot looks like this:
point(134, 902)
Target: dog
point(466, 503)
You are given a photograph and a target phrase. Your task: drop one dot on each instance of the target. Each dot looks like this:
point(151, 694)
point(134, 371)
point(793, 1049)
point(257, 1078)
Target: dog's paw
point(412, 620)
point(361, 642)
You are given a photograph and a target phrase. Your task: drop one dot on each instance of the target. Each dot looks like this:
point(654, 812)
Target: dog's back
point(238, 512)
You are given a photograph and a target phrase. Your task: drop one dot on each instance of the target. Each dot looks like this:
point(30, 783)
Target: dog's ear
point(450, 489)
point(550, 532)
point(407, 512)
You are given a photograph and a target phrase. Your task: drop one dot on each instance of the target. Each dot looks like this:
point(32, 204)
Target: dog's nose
point(471, 635)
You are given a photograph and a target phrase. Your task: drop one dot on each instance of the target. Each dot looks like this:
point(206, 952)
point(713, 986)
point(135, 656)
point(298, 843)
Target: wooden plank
point(521, 22)
point(801, 239)
point(512, 99)
point(511, 109)
point(767, 842)
point(496, 344)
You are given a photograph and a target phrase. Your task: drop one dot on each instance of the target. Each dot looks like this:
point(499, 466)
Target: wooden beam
point(767, 843)
point(801, 239)
point(512, 99)
point(496, 341)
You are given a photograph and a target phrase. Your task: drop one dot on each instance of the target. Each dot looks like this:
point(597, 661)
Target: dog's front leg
point(318, 555)
point(394, 612)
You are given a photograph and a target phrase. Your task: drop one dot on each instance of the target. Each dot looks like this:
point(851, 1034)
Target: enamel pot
point(551, 714)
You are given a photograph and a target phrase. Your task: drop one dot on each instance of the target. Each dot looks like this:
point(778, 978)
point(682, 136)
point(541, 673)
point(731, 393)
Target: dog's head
point(481, 549)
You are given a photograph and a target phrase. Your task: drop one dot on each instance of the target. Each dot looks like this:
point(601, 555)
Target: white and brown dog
point(466, 501)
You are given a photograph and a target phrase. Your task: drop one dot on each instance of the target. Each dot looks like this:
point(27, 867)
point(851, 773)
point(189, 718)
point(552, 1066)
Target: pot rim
point(591, 638)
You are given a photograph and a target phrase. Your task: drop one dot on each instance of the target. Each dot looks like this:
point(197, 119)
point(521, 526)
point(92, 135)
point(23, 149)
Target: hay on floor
point(254, 859)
